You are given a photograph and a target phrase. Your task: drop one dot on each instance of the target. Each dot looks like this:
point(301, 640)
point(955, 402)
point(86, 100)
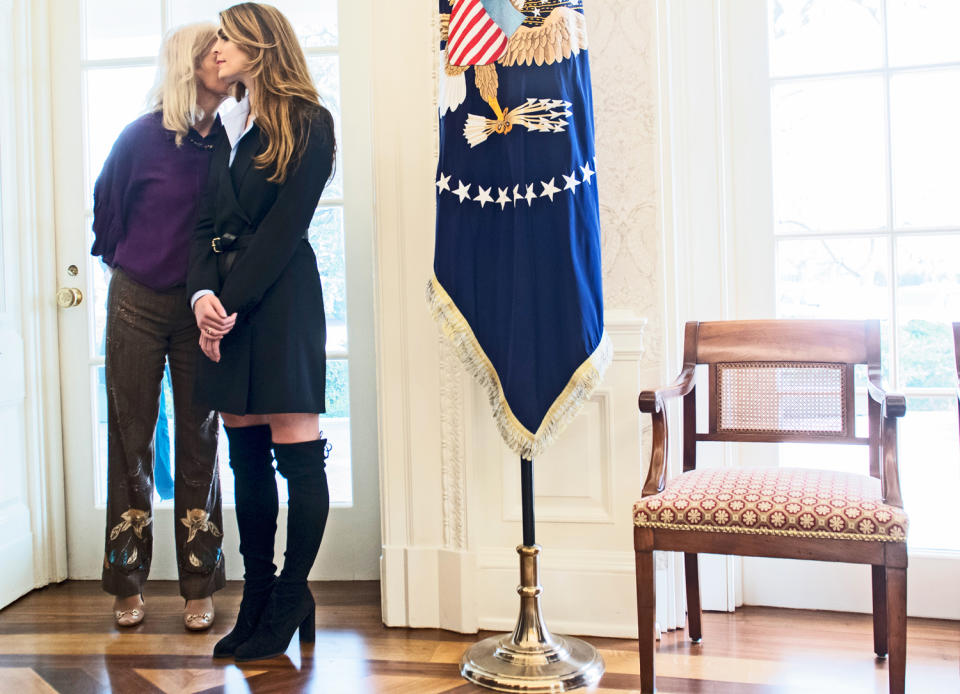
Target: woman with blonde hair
point(145, 207)
point(257, 298)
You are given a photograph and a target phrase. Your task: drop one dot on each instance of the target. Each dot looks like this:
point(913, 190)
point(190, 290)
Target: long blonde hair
point(175, 88)
point(283, 100)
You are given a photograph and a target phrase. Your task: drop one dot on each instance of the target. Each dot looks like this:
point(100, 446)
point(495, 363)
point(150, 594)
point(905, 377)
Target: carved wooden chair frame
point(846, 343)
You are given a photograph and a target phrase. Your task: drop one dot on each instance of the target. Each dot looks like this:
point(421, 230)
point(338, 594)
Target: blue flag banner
point(517, 283)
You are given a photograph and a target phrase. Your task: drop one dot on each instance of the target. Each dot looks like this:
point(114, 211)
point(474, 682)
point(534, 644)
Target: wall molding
point(592, 505)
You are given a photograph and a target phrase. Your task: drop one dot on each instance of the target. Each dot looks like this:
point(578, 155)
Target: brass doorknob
point(68, 297)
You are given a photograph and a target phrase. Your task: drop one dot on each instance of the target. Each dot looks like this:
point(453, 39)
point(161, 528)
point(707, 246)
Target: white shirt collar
point(235, 122)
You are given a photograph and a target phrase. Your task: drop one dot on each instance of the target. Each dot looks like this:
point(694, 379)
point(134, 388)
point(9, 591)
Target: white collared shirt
point(235, 124)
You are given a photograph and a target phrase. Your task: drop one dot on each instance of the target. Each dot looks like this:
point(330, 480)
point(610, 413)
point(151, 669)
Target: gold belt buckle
point(215, 245)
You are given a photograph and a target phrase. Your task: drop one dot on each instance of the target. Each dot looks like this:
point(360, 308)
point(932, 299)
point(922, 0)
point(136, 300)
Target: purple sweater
point(145, 201)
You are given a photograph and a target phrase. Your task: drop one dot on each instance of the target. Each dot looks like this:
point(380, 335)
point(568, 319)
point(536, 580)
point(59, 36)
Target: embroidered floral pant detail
point(145, 328)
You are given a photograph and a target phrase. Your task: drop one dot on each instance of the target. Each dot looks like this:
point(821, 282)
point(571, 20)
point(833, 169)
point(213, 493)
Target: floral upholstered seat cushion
point(775, 501)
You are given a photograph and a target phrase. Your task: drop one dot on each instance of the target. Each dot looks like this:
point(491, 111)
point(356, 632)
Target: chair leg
point(879, 611)
point(896, 580)
point(692, 572)
point(646, 618)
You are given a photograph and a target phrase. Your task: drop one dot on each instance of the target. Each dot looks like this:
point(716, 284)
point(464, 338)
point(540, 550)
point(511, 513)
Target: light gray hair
point(175, 87)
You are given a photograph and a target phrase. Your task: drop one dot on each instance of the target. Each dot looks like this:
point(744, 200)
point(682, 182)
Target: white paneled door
point(104, 60)
point(16, 536)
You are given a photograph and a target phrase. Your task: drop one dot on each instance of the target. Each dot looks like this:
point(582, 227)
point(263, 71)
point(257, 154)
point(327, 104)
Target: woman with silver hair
point(145, 206)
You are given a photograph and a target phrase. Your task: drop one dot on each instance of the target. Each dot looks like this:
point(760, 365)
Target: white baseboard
point(458, 591)
point(933, 585)
point(428, 587)
point(393, 586)
point(587, 593)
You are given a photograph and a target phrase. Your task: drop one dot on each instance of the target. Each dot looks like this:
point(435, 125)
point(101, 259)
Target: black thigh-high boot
point(255, 485)
point(291, 604)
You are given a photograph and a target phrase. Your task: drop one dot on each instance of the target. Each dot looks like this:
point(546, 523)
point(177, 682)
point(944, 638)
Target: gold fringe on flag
point(521, 440)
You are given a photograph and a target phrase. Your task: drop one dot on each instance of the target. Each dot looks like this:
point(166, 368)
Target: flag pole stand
point(531, 659)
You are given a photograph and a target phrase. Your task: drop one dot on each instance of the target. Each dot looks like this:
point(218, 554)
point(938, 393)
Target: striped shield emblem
point(476, 37)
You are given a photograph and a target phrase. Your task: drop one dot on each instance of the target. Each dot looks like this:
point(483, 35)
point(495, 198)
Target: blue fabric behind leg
point(164, 456)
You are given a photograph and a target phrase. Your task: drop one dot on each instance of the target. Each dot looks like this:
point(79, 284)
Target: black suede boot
point(290, 607)
point(255, 485)
point(291, 604)
point(252, 606)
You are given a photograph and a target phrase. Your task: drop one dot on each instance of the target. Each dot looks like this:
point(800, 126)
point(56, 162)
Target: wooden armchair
point(777, 381)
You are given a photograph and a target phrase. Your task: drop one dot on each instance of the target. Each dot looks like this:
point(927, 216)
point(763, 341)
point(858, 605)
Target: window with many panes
point(865, 107)
point(121, 41)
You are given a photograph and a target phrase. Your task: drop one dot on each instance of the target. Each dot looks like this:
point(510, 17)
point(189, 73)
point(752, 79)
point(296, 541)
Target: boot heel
point(308, 628)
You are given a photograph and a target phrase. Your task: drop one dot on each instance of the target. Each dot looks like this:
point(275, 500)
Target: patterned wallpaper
point(623, 61)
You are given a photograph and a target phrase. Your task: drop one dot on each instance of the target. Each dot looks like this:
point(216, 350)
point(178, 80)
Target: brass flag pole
point(531, 659)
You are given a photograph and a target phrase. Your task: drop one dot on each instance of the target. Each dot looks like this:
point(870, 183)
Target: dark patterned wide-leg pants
point(144, 328)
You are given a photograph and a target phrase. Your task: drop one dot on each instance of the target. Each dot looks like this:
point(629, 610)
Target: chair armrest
point(651, 401)
point(892, 407)
point(956, 392)
point(891, 404)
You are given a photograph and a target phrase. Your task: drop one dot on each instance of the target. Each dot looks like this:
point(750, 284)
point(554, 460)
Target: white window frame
point(719, 250)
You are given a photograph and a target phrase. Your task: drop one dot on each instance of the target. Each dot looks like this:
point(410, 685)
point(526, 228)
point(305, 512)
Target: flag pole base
point(531, 659)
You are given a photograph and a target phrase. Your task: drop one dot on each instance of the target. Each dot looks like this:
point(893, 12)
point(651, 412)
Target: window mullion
point(165, 17)
point(892, 245)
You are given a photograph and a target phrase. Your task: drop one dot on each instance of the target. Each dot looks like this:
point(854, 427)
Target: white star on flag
point(516, 194)
point(443, 183)
point(484, 196)
point(588, 173)
point(504, 198)
point(549, 190)
point(572, 182)
point(530, 196)
point(463, 192)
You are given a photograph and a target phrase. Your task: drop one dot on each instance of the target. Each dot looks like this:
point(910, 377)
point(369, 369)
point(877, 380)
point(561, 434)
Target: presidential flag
point(517, 279)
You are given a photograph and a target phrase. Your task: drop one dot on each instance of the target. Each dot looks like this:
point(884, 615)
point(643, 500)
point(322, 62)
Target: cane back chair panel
point(773, 383)
point(782, 398)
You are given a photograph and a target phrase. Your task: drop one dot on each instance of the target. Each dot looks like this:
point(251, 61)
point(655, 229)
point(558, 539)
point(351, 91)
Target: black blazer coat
point(274, 359)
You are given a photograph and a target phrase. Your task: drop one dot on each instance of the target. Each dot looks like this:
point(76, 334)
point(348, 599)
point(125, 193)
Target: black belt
point(230, 242)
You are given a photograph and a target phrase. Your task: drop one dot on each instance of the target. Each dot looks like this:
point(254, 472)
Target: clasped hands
point(214, 323)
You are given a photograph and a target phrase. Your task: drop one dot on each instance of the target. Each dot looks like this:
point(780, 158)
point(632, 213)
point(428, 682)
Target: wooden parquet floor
point(62, 639)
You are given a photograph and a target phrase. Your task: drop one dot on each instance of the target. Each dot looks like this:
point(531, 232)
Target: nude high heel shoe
point(199, 621)
point(131, 617)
